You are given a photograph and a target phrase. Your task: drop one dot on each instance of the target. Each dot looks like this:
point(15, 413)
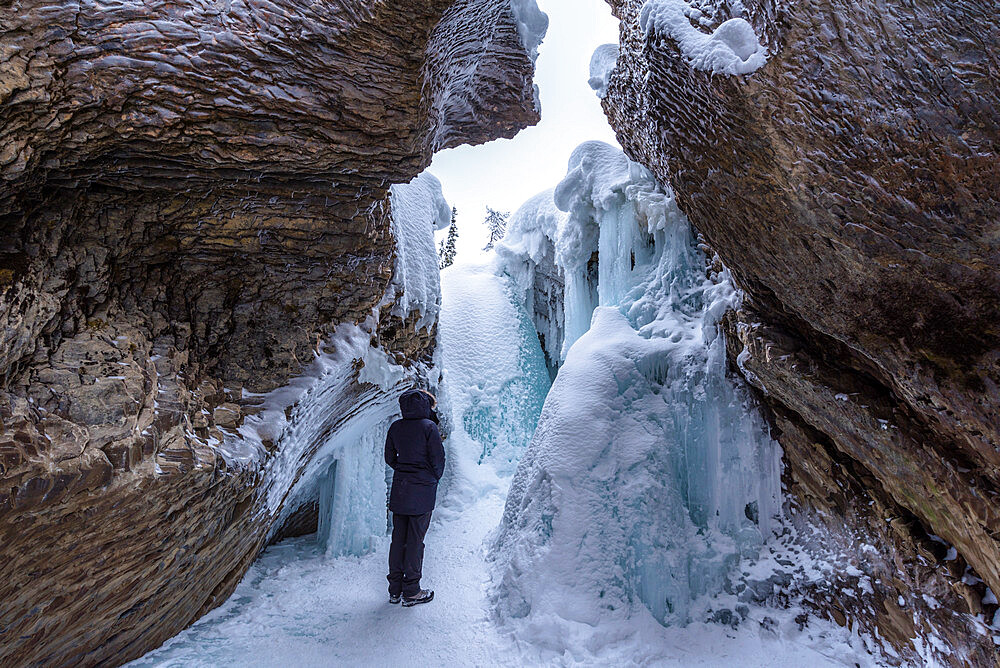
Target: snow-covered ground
point(298, 606)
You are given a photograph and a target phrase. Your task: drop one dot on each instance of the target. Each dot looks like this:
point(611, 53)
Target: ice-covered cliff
point(207, 290)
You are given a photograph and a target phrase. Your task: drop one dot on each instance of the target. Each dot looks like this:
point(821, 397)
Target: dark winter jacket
point(414, 452)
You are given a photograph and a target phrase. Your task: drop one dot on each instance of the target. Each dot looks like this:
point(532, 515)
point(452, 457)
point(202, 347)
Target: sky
point(505, 173)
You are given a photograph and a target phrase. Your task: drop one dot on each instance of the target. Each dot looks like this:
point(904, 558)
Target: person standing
point(414, 452)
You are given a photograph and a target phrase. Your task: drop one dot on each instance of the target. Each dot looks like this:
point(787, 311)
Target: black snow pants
point(406, 553)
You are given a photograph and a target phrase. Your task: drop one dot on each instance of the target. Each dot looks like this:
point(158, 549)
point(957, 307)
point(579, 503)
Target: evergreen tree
point(496, 221)
point(448, 251)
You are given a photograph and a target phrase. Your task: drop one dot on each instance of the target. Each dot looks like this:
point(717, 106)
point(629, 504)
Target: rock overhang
point(195, 196)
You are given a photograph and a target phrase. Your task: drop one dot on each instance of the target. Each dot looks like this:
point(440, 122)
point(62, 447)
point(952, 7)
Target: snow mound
point(602, 63)
point(418, 209)
point(598, 168)
point(532, 24)
point(648, 478)
point(532, 228)
point(733, 48)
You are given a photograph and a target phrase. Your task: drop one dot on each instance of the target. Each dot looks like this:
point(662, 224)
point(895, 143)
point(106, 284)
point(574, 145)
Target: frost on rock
point(647, 479)
point(602, 63)
point(418, 209)
point(732, 48)
point(327, 426)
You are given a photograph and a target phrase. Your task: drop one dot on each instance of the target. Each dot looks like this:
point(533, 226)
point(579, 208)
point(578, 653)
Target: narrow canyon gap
point(730, 395)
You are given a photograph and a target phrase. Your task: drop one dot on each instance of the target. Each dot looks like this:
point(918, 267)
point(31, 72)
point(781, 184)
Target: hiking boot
point(422, 596)
point(395, 598)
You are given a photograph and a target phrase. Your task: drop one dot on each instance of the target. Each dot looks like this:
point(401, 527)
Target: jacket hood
point(414, 404)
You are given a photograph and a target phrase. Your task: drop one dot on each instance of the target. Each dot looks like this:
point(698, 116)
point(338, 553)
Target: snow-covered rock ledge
point(731, 48)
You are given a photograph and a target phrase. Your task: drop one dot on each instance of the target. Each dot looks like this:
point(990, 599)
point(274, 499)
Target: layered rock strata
point(193, 197)
point(850, 184)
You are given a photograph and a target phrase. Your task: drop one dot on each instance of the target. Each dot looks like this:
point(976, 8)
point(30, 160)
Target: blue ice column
point(352, 497)
point(720, 467)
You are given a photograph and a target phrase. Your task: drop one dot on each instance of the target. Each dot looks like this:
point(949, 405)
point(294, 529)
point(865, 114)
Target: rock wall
point(850, 184)
point(193, 197)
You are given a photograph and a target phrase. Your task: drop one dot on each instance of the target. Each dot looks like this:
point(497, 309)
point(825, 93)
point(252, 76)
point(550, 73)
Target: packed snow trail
point(297, 607)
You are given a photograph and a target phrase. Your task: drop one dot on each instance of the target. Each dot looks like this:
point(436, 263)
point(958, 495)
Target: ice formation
point(527, 250)
point(601, 65)
point(352, 489)
point(592, 224)
point(732, 48)
point(495, 369)
point(418, 208)
point(648, 478)
point(326, 424)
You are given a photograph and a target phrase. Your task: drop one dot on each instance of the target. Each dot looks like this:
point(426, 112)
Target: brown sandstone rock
point(227, 415)
point(191, 197)
point(851, 185)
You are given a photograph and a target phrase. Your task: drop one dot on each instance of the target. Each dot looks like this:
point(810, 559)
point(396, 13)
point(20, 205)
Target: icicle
point(579, 304)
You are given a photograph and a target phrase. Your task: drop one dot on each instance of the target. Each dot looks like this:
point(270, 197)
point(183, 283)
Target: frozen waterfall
point(649, 476)
point(494, 367)
point(645, 483)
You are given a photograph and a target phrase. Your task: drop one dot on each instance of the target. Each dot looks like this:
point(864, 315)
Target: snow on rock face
point(532, 24)
point(418, 208)
point(601, 65)
point(648, 478)
point(733, 48)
